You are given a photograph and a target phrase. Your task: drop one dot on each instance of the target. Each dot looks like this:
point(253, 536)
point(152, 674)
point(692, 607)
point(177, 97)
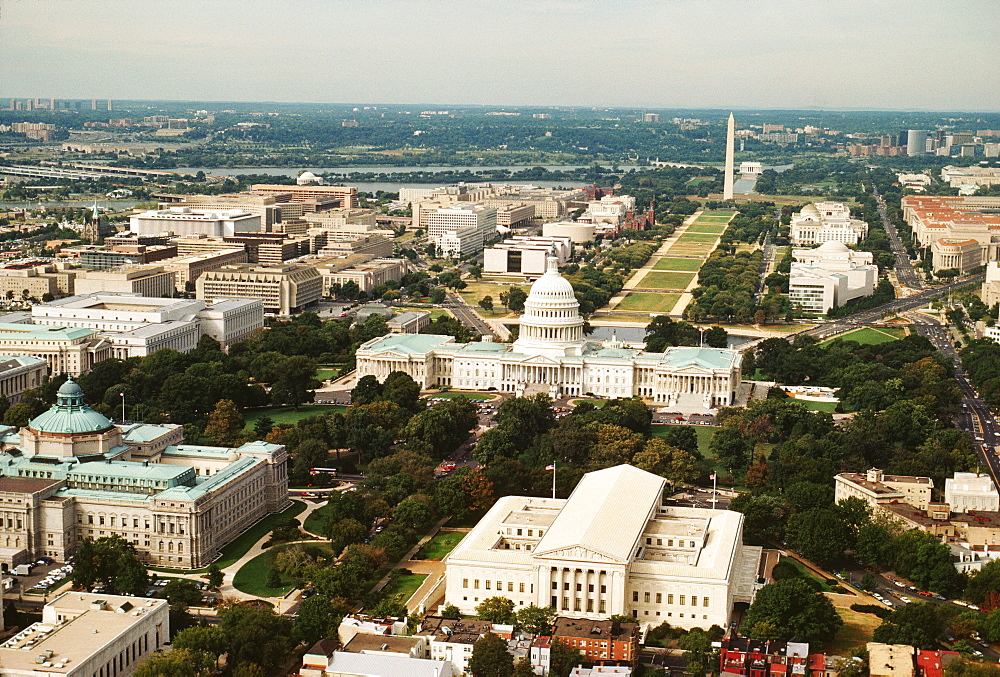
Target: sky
point(826, 54)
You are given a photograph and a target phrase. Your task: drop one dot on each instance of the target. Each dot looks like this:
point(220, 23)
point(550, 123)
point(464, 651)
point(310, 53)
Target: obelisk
point(727, 185)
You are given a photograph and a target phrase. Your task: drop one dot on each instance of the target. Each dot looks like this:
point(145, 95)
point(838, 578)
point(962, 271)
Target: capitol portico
point(552, 355)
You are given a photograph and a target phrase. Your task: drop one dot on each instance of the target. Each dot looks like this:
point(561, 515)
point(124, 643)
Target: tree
point(497, 610)
point(668, 462)
point(918, 624)
point(563, 658)
point(262, 426)
point(225, 424)
point(181, 591)
point(176, 663)
point(490, 657)
point(513, 299)
point(206, 639)
point(437, 295)
point(536, 619)
point(296, 378)
point(451, 611)
point(820, 534)
point(346, 532)
point(486, 303)
point(215, 576)
point(791, 608)
point(318, 618)
point(110, 560)
point(697, 645)
point(256, 636)
point(273, 579)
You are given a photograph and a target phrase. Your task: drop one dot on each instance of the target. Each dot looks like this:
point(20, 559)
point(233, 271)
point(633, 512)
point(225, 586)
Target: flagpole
point(553, 479)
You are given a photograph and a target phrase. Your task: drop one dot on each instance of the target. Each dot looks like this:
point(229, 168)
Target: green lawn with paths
point(239, 546)
point(439, 546)
point(657, 280)
point(653, 303)
point(667, 263)
point(289, 415)
point(697, 237)
point(716, 229)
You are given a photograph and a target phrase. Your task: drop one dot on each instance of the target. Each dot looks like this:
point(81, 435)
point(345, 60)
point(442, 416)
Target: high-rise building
point(916, 142)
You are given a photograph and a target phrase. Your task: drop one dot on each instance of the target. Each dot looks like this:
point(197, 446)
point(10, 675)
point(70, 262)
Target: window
point(659, 598)
point(645, 597)
point(649, 541)
point(694, 600)
point(659, 541)
point(566, 586)
point(604, 589)
point(465, 582)
point(590, 587)
point(602, 607)
point(682, 597)
point(579, 587)
point(670, 599)
point(499, 586)
point(555, 585)
point(590, 606)
point(475, 584)
point(520, 587)
point(635, 595)
point(510, 586)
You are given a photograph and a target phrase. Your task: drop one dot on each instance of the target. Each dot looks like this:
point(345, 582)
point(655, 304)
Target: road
point(894, 307)
point(975, 417)
point(905, 273)
point(467, 315)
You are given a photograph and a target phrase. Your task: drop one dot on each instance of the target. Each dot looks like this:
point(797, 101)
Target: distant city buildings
point(875, 487)
point(462, 229)
point(525, 255)
point(829, 276)
point(191, 221)
point(821, 222)
point(949, 224)
point(977, 176)
point(283, 289)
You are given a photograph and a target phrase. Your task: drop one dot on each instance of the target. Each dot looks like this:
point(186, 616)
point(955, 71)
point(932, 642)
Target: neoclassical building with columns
point(551, 355)
point(73, 474)
point(611, 548)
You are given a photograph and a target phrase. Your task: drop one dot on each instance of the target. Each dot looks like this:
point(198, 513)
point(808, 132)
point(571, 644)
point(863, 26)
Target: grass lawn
point(325, 374)
point(714, 228)
point(428, 308)
point(654, 303)
point(856, 632)
point(690, 249)
point(252, 578)
point(692, 265)
point(704, 433)
point(817, 406)
point(238, 547)
point(805, 573)
point(442, 543)
point(870, 336)
point(402, 586)
point(451, 395)
point(698, 238)
point(289, 415)
point(477, 290)
point(655, 280)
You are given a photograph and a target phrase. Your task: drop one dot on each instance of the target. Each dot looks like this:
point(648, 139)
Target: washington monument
point(727, 186)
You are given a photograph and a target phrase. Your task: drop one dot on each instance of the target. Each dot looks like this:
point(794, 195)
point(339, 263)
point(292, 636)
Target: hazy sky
point(914, 54)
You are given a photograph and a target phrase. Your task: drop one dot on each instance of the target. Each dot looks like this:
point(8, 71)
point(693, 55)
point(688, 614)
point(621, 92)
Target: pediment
point(577, 553)
point(540, 359)
point(693, 369)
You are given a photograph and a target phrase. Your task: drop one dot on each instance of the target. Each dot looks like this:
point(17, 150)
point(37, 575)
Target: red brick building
point(601, 642)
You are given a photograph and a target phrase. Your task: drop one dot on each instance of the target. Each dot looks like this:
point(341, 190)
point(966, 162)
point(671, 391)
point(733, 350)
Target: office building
point(82, 634)
point(452, 641)
point(515, 216)
point(600, 641)
point(976, 176)
point(549, 203)
point(19, 373)
point(968, 491)
point(525, 255)
point(462, 229)
point(73, 474)
point(956, 253)
point(192, 221)
point(66, 350)
point(955, 219)
point(875, 487)
point(822, 222)
point(187, 269)
point(611, 209)
point(323, 660)
point(35, 279)
point(362, 270)
point(990, 291)
point(137, 326)
point(346, 244)
point(552, 356)
point(284, 289)
point(916, 142)
point(345, 196)
point(144, 280)
point(611, 548)
point(829, 276)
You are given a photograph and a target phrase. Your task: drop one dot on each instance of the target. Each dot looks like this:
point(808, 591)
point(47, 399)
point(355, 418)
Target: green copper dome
point(70, 414)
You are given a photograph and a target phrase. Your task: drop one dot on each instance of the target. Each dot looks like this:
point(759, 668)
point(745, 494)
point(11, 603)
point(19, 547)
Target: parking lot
point(44, 574)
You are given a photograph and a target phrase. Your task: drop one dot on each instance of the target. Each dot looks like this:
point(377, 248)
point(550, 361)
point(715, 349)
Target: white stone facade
point(552, 356)
point(611, 548)
point(821, 222)
point(829, 276)
point(967, 491)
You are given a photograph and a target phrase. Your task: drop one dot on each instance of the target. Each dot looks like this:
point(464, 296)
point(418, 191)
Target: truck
point(23, 570)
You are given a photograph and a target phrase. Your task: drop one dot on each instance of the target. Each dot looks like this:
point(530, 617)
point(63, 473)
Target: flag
point(712, 477)
point(550, 467)
point(121, 394)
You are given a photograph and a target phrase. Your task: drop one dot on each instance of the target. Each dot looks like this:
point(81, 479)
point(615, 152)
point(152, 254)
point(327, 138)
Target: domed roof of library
point(70, 414)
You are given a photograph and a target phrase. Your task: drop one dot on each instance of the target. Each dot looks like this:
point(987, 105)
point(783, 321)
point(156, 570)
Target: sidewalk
point(409, 555)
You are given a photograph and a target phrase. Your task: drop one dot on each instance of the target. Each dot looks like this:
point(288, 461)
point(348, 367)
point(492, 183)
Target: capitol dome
point(551, 323)
point(70, 414)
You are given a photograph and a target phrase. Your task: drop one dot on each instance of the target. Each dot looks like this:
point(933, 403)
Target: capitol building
point(552, 356)
point(73, 474)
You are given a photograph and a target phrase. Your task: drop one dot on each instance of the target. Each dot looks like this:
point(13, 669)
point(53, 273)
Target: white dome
point(551, 287)
point(810, 209)
point(833, 247)
point(307, 177)
point(551, 324)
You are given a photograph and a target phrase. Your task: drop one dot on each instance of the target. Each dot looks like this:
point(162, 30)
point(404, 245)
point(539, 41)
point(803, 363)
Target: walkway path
point(405, 560)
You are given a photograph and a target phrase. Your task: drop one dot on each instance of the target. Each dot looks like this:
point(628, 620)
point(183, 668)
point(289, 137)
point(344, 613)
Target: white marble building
point(551, 355)
point(821, 222)
point(611, 548)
